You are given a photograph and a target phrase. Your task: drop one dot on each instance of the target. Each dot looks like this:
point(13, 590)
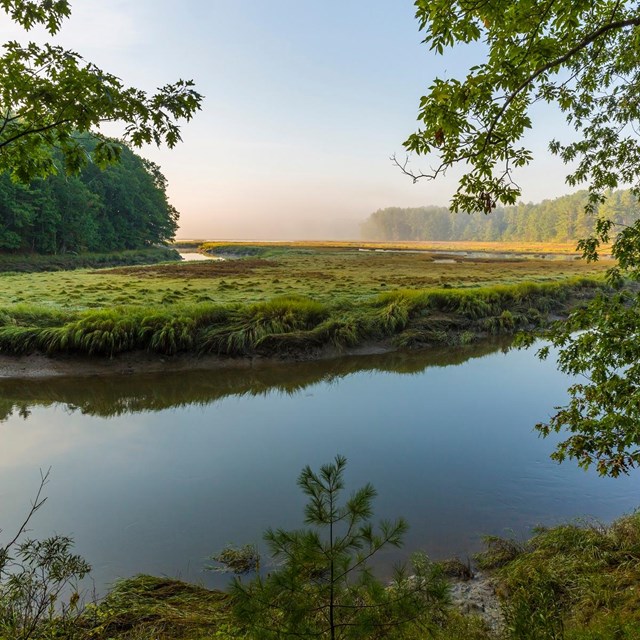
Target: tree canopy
point(582, 56)
point(562, 219)
point(124, 206)
point(50, 97)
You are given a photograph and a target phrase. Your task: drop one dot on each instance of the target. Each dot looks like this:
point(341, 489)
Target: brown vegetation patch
point(319, 275)
point(189, 270)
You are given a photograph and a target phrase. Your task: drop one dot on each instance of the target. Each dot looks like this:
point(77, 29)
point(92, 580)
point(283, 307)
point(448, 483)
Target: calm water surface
point(152, 473)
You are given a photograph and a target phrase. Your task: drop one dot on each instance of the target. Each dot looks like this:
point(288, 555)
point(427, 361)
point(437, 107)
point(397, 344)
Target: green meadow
point(289, 300)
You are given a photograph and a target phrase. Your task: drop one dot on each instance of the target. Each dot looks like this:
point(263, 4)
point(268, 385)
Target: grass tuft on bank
point(578, 581)
point(146, 607)
point(287, 325)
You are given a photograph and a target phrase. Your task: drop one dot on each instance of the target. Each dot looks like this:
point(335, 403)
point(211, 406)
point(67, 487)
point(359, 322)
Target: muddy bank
point(477, 597)
point(42, 366)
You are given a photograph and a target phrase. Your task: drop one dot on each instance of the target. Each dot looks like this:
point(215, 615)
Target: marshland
point(158, 470)
point(430, 433)
point(292, 300)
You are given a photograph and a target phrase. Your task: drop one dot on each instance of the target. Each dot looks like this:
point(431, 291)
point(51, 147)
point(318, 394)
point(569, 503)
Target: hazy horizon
point(304, 105)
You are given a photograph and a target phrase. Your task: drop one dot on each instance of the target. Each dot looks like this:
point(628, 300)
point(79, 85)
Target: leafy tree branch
point(51, 96)
point(584, 58)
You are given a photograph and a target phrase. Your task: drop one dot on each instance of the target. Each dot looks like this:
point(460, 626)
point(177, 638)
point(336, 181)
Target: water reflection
point(153, 473)
point(109, 396)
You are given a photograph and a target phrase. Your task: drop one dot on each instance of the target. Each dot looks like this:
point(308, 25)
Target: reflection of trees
point(120, 394)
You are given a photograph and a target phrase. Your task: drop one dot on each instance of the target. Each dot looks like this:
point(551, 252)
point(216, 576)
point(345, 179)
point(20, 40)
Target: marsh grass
point(298, 300)
point(576, 581)
point(285, 325)
point(146, 607)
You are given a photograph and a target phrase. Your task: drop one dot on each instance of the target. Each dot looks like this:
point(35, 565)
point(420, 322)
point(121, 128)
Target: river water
point(152, 473)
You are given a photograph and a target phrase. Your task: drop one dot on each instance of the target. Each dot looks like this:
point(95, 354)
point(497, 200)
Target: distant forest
point(559, 220)
point(121, 207)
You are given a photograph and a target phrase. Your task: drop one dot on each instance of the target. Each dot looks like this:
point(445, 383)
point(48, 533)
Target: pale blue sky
point(305, 102)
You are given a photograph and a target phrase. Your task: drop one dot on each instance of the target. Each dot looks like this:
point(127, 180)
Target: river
point(152, 473)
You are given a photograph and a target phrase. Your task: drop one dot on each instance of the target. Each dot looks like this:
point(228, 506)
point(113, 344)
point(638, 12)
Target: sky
point(305, 102)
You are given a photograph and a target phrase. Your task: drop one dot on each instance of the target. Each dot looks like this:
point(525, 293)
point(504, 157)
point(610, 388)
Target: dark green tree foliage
point(583, 56)
point(124, 206)
point(561, 220)
point(50, 97)
point(322, 586)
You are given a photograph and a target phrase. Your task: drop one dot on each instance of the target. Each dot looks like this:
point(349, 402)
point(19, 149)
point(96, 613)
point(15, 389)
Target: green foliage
point(560, 220)
point(583, 57)
point(580, 56)
point(39, 584)
point(322, 586)
point(574, 581)
point(32, 588)
point(51, 97)
point(599, 344)
point(123, 207)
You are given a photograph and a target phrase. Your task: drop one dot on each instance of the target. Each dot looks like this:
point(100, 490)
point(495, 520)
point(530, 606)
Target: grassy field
point(286, 298)
point(320, 272)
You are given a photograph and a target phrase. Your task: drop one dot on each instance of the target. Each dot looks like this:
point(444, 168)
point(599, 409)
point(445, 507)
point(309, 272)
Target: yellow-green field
point(296, 299)
point(320, 272)
point(416, 245)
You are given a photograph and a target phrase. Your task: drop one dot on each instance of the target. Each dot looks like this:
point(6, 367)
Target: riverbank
point(576, 581)
point(35, 262)
point(136, 338)
point(38, 365)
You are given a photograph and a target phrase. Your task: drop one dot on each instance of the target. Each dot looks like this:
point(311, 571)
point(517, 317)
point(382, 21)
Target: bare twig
point(36, 503)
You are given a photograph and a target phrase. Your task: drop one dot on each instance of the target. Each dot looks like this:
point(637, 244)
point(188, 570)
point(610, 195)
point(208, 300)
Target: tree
point(50, 97)
point(323, 586)
point(583, 57)
point(39, 583)
point(124, 206)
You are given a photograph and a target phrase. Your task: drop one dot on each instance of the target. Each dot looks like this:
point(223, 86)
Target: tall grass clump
point(576, 581)
point(249, 327)
point(34, 315)
point(17, 340)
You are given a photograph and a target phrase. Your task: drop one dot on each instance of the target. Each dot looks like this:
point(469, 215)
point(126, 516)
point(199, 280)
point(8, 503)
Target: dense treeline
point(559, 220)
point(121, 207)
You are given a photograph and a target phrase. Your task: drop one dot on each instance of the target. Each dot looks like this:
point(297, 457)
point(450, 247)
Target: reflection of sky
point(451, 449)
